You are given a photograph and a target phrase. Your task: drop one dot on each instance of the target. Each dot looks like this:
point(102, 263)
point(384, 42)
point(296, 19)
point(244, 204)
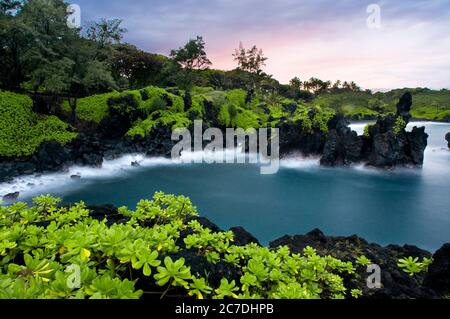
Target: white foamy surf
point(76, 176)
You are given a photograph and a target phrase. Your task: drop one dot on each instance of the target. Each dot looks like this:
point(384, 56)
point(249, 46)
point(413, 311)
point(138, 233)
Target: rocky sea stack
point(385, 144)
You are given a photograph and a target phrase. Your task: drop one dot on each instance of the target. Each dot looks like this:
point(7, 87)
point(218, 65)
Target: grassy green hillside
point(427, 104)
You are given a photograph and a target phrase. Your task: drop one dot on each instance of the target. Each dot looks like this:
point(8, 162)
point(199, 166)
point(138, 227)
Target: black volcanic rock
point(50, 155)
point(294, 139)
point(389, 145)
point(418, 141)
point(387, 148)
point(343, 146)
point(438, 276)
point(11, 196)
point(404, 106)
point(243, 237)
point(396, 284)
point(108, 212)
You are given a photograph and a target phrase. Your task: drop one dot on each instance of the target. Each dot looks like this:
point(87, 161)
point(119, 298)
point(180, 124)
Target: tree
point(58, 60)
point(317, 86)
point(337, 85)
point(15, 40)
point(77, 73)
point(354, 87)
point(346, 86)
point(251, 60)
point(105, 32)
point(296, 83)
point(192, 55)
point(40, 52)
point(139, 68)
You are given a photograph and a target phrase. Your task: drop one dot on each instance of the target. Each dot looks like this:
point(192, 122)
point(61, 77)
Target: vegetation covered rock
point(384, 144)
point(396, 283)
point(389, 144)
point(163, 249)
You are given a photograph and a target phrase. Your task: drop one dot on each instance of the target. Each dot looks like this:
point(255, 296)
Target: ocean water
point(403, 206)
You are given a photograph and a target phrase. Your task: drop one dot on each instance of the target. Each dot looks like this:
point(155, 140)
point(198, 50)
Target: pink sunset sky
point(325, 39)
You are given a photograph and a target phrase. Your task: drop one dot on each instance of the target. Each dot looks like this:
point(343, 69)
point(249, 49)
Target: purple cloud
point(324, 38)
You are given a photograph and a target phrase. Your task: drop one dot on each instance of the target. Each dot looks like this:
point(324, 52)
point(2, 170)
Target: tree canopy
point(42, 54)
point(251, 60)
point(192, 55)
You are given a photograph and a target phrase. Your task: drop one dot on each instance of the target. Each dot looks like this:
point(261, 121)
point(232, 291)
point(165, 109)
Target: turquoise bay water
point(396, 207)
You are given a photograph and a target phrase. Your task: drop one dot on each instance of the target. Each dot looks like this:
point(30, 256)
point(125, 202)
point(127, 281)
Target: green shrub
point(128, 104)
point(224, 116)
point(43, 247)
point(177, 103)
point(399, 126)
point(431, 113)
point(232, 110)
point(215, 95)
point(367, 130)
point(92, 108)
point(22, 131)
point(412, 266)
point(142, 128)
point(237, 97)
point(321, 118)
point(302, 115)
point(163, 119)
point(245, 119)
point(158, 104)
point(198, 107)
point(156, 95)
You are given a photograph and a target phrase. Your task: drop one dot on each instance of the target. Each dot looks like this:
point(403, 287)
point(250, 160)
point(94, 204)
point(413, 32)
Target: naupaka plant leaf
point(174, 273)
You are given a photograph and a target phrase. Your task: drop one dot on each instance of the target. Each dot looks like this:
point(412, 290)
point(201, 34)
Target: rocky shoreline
point(386, 145)
point(395, 283)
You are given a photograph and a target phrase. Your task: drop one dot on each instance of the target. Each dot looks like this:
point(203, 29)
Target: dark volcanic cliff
point(386, 143)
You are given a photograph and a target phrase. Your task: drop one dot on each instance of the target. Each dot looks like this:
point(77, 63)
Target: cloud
point(323, 38)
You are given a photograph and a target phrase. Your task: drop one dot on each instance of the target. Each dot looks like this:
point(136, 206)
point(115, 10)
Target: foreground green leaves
point(175, 273)
point(48, 251)
point(412, 266)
